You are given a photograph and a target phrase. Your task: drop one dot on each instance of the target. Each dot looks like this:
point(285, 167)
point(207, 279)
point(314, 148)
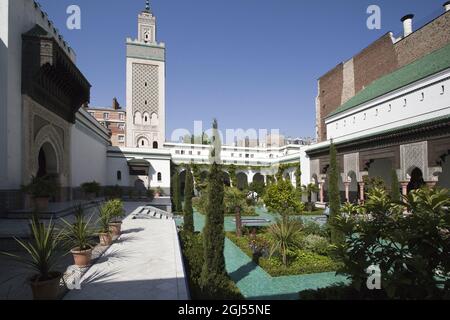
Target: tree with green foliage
point(333, 191)
point(213, 271)
point(309, 190)
point(188, 194)
point(284, 237)
point(232, 173)
point(176, 193)
point(234, 200)
point(395, 188)
point(281, 197)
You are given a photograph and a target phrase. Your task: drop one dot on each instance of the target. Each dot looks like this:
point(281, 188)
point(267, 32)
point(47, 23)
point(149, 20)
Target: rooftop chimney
point(115, 104)
point(447, 6)
point(407, 24)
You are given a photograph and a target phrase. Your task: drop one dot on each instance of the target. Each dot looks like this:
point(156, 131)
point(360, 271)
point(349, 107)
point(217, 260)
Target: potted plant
point(151, 194)
point(103, 222)
point(42, 257)
point(78, 236)
point(42, 189)
point(159, 192)
point(91, 189)
point(116, 213)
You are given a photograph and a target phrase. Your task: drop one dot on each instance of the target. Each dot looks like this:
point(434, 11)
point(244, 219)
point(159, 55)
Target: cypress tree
point(176, 194)
point(333, 191)
point(188, 192)
point(213, 271)
point(395, 189)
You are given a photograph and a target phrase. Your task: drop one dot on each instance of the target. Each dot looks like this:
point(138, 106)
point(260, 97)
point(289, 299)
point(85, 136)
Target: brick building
point(114, 119)
point(380, 58)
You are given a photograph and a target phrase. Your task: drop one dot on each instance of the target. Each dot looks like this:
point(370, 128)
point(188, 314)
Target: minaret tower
point(146, 85)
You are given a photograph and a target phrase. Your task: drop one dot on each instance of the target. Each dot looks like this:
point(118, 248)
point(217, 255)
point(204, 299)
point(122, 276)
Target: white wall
point(88, 155)
point(390, 111)
point(305, 167)
point(117, 160)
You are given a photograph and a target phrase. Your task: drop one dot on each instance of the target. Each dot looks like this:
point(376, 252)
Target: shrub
point(414, 248)
point(311, 227)
point(114, 192)
point(192, 245)
point(43, 187)
point(316, 244)
point(91, 187)
point(282, 198)
point(151, 194)
point(302, 262)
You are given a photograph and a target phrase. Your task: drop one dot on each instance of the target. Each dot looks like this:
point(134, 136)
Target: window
point(177, 151)
point(106, 116)
point(247, 156)
point(159, 177)
point(365, 116)
point(252, 156)
point(376, 112)
point(232, 154)
point(121, 138)
point(122, 116)
point(405, 103)
point(422, 96)
point(190, 153)
point(390, 108)
point(182, 151)
point(155, 145)
point(199, 153)
point(119, 175)
point(442, 90)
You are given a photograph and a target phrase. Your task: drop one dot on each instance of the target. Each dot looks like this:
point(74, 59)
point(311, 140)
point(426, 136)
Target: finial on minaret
point(147, 5)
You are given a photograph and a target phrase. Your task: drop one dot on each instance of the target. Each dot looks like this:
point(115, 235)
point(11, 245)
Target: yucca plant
point(79, 234)
point(42, 251)
point(283, 237)
point(104, 219)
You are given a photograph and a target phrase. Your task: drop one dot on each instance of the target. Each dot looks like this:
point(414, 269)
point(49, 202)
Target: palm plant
point(79, 234)
point(284, 237)
point(41, 250)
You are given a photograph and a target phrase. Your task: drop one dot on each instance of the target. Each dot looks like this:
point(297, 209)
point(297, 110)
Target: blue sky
point(250, 63)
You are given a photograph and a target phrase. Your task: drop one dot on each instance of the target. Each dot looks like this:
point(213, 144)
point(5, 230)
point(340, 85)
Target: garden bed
point(301, 261)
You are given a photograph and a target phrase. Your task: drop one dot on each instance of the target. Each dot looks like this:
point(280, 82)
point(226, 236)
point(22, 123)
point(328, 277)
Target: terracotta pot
point(105, 239)
point(82, 258)
point(46, 290)
point(115, 228)
point(41, 204)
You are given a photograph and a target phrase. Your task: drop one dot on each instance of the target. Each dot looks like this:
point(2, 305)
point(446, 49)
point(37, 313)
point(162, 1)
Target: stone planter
point(41, 203)
point(46, 290)
point(82, 258)
point(105, 239)
point(115, 228)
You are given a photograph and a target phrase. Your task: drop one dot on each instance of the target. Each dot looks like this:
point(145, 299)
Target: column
point(347, 191)
point(362, 195)
point(404, 185)
point(321, 195)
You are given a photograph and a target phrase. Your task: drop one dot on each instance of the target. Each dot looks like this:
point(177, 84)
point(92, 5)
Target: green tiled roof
point(432, 63)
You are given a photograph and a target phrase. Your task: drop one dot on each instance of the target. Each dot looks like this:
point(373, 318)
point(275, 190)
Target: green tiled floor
point(254, 282)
